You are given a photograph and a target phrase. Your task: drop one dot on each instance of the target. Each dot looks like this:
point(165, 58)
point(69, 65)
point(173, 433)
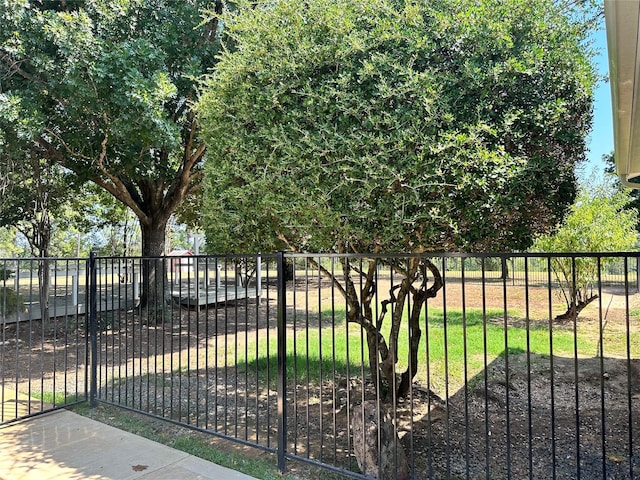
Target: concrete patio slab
point(65, 445)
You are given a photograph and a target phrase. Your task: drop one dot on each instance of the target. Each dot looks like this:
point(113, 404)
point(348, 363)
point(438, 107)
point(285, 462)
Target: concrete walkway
point(64, 445)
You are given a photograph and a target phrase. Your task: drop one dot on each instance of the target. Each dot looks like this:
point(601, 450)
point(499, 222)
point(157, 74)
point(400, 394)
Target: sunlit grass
point(453, 348)
point(58, 398)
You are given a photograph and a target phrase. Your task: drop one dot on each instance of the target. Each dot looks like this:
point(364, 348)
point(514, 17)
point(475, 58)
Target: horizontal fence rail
point(389, 366)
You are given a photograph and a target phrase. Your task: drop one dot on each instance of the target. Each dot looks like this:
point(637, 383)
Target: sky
point(600, 141)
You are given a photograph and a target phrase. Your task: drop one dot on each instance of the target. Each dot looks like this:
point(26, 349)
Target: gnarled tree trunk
point(383, 356)
point(575, 308)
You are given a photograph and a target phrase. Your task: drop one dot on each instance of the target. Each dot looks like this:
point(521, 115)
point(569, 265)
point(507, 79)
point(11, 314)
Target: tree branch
point(185, 180)
point(115, 186)
point(13, 66)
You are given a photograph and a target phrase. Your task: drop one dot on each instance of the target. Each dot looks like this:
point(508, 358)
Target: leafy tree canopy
point(610, 167)
point(104, 88)
point(368, 125)
point(35, 193)
point(9, 246)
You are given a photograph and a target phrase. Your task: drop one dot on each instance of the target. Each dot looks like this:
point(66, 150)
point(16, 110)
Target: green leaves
point(599, 221)
point(438, 125)
point(104, 87)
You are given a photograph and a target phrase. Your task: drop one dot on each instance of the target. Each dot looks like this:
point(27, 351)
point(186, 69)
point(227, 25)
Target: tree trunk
point(40, 242)
point(420, 296)
point(155, 287)
point(376, 444)
point(504, 269)
point(574, 309)
point(388, 364)
point(383, 357)
point(43, 288)
point(415, 333)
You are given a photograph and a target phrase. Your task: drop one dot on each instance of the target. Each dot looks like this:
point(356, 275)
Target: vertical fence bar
point(320, 359)
point(306, 349)
point(17, 349)
point(256, 354)
point(507, 379)
point(238, 265)
point(629, 371)
point(485, 356)
point(86, 328)
point(268, 435)
point(427, 353)
point(554, 455)
point(574, 300)
point(282, 357)
point(296, 382)
point(445, 333)
point(528, 343)
point(226, 347)
point(467, 448)
point(333, 364)
point(246, 343)
point(46, 310)
point(4, 276)
point(93, 327)
point(30, 343)
point(207, 378)
point(349, 447)
point(600, 353)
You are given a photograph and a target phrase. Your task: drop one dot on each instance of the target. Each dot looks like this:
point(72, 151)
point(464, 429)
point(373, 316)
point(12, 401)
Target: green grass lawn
point(451, 351)
point(60, 398)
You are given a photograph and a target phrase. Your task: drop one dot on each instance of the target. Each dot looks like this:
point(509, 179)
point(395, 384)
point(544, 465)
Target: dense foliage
point(599, 221)
point(610, 167)
point(104, 88)
point(391, 125)
point(370, 125)
point(10, 303)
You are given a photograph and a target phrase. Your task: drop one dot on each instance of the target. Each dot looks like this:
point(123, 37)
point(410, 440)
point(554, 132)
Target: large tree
point(389, 125)
point(104, 88)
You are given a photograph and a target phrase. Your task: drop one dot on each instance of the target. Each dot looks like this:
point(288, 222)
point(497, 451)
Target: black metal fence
point(43, 363)
point(527, 365)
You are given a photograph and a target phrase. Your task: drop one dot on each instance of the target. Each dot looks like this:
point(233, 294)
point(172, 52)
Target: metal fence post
point(282, 357)
point(93, 328)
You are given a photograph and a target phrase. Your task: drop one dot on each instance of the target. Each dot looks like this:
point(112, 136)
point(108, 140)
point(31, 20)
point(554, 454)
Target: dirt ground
point(524, 416)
